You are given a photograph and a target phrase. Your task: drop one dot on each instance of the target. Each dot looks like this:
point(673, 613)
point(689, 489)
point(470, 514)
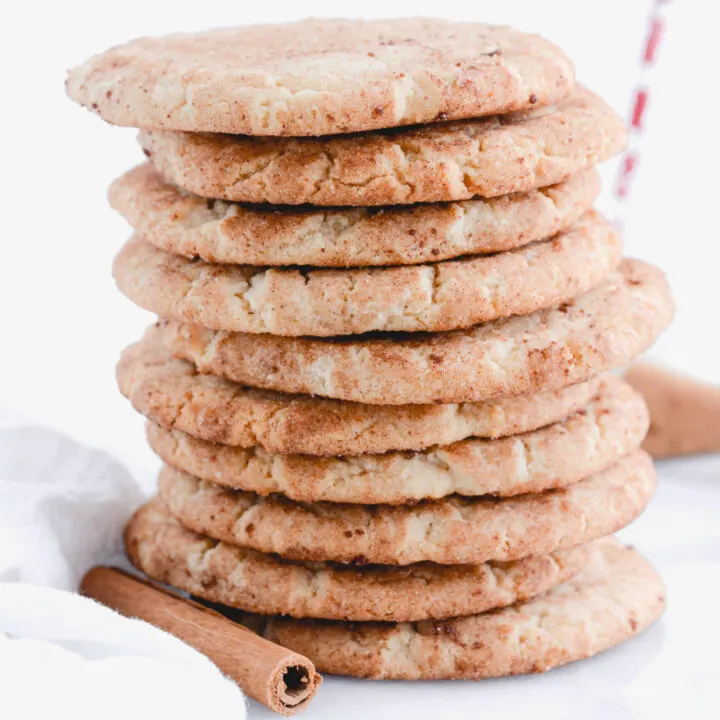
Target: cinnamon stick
point(684, 412)
point(279, 678)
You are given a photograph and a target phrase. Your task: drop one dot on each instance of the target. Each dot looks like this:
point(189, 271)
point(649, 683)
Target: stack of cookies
point(380, 382)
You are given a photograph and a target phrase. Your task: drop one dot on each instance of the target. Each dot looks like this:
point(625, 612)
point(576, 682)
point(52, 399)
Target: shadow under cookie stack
point(380, 382)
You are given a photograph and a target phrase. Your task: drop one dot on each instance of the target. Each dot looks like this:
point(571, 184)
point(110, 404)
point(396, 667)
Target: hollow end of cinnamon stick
point(292, 685)
point(269, 673)
point(294, 681)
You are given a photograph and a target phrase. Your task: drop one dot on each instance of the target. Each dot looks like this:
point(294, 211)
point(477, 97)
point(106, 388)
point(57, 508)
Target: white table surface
point(671, 671)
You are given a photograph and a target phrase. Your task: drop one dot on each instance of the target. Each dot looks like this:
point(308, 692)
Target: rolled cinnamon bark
point(279, 678)
point(684, 412)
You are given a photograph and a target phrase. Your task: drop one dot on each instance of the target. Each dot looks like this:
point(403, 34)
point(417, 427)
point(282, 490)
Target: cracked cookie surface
point(255, 582)
point(329, 302)
point(431, 163)
point(616, 596)
point(320, 77)
point(170, 392)
point(549, 349)
point(448, 531)
point(613, 424)
point(243, 234)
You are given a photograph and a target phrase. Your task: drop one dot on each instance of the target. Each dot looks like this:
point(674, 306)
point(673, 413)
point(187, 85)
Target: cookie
point(613, 424)
point(172, 394)
point(344, 237)
point(616, 596)
point(159, 546)
point(450, 531)
point(430, 163)
point(603, 329)
point(684, 412)
point(320, 77)
point(328, 302)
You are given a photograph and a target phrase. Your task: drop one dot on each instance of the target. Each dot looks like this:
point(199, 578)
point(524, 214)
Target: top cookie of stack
point(322, 77)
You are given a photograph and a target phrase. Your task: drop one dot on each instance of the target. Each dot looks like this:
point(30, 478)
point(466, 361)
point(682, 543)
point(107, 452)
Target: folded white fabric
point(62, 508)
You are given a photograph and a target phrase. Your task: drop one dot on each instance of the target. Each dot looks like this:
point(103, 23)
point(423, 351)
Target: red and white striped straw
point(630, 160)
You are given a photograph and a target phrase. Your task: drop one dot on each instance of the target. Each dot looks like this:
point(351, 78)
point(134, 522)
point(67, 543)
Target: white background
point(63, 322)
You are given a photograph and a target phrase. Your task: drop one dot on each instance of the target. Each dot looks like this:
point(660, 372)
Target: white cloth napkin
point(62, 509)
